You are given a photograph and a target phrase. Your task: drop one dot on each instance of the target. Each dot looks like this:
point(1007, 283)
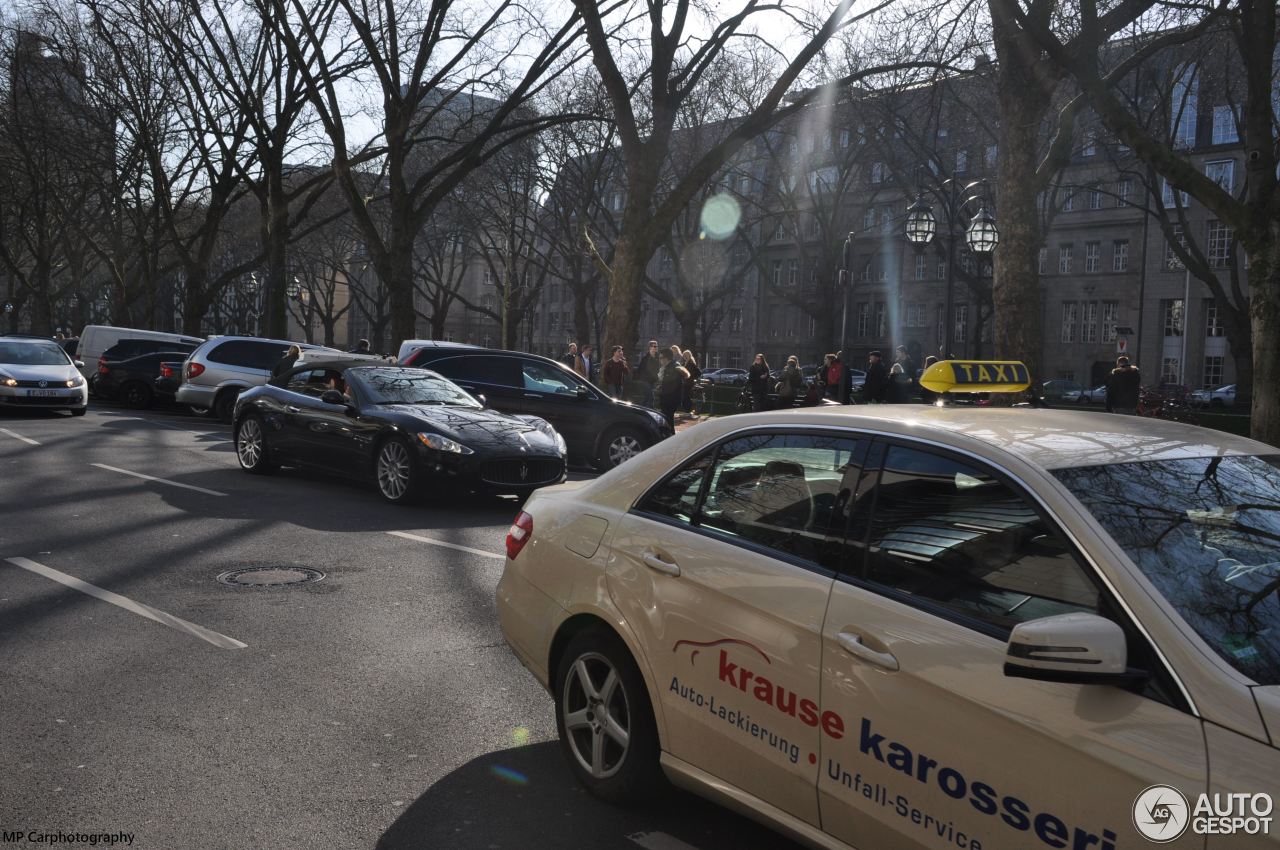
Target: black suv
point(598, 429)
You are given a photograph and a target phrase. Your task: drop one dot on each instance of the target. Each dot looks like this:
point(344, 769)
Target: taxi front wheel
point(605, 721)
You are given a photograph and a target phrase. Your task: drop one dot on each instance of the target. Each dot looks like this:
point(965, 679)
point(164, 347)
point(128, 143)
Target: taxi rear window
point(1206, 533)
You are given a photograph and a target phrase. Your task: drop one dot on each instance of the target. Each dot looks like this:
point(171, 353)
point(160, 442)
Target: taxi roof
point(1049, 438)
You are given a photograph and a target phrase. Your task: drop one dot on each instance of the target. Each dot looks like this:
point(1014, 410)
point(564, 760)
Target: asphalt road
point(376, 708)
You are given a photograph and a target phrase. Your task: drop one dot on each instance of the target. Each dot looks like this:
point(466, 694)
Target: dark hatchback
point(133, 381)
point(599, 430)
point(411, 431)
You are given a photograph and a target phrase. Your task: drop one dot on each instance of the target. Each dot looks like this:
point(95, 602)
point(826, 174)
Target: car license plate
point(42, 393)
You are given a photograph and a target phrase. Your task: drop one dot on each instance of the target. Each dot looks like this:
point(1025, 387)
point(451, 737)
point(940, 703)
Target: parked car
point(1097, 395)
point(97, 339)
point(223, 367)
point(727, 377)
point(407, 430)
point(1224, 396)
point(132, 381)
point(37, 372)
point(1060, 391)
point(599, 430)
point(411, 345)
point(169, 379)
point(1026, 588)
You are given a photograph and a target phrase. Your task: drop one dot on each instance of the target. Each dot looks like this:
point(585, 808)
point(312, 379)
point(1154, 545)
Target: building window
point(615, 202)
point(1220, 237)
point(1224, 126)
point(1212, 373)
point(776, 277)
point(735, 319)
point(1120, 255)
point(1092, 251)
point(1044, 260)
point(780, 232)
point(793, 273)
point(1124, 191)
point(1090, 147)
point(869, 218)
point(1171, 308)
point(940, 323)
point(879, 173)
point(555, 321)
point(886, 219)
point(1110, 319)
point(1070, 318)
point(1169, 370)
point(1069, 203)
point(713, 359)
point(1065, 251)
point(815, 227)
point(1089, 322)
point(961, 331)
point(962, 161)
point(733, 356)
point(882, 319)
point(992, 152)
point(1172, 261)
point(1166, 196)
point(1095, 198)
point(864, 319)
point(922, 264)
point(915, 314)
point(664, 321)
point(1184, 106)
point(844, 138)
point(1212, 321)
point(1222, 172)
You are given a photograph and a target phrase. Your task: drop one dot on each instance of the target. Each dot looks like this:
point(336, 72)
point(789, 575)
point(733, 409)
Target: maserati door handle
point(653, 562)
point(852, 644)
point(293, 408)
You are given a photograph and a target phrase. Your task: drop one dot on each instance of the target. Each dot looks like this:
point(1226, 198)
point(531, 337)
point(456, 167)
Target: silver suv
point(220, 369)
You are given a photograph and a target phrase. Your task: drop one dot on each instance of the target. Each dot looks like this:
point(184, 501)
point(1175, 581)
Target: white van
point(95, 339)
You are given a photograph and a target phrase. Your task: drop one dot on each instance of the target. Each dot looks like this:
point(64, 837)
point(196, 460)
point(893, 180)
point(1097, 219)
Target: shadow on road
point(527, 798)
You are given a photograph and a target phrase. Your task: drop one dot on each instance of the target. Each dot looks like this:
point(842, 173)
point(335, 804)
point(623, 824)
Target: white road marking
point(219, 640)
point(407, 536)
point(213, 434)
point(659, 841)
point(158, 480)
point(26, 440)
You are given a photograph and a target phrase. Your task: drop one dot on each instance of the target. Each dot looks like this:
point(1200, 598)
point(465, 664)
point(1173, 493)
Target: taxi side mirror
point(1077, 648)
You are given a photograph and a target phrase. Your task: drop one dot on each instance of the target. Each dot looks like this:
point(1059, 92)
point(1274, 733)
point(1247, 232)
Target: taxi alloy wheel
point(251, 446)
point(394, 469)
point(605, 722)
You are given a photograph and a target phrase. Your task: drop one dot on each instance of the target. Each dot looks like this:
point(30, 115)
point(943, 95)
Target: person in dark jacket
point(876, 388)
point(792, 386)
point(758, 383)
point(671, 378)
point(361, 347)
point(286, 363)
point(900, 386)
point(616, 373)
point(691, 366)
point(1123, 386)
point(647, 372)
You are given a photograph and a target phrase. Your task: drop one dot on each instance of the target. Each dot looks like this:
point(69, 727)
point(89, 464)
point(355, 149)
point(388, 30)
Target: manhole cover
point(270, 576)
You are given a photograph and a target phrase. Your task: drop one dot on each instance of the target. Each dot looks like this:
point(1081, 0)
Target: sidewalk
point(687, 420)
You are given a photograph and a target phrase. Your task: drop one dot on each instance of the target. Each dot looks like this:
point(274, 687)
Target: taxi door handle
point(853, 645)
point(653, 562)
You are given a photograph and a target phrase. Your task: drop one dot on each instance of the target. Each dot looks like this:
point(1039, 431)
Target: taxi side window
point(953, 534)
point(787, 492)
point(677, 497)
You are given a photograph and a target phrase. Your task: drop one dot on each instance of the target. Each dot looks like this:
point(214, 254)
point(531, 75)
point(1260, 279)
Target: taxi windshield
point(1206, 533)
point(411, 386)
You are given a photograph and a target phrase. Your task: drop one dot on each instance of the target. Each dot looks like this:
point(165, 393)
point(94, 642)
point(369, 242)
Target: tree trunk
point(275, 244)
point(622, 316)
point(1019, 314)
point(396, 273)
point(1264, 308)
point(194, 303)
point(581, 319)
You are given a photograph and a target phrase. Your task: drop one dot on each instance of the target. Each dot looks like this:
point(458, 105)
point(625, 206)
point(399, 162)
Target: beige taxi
point(921, 627)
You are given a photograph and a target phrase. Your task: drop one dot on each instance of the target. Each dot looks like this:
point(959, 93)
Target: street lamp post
point(980, 235)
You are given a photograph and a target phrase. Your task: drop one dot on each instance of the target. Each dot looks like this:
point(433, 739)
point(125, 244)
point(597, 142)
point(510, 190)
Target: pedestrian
point(588, 361)
point(690, 366)
point(616, 373)
point(876, 387)
point(844, 386)
point(758, 383)
point(899, 385)
point(903, 357)
point(572, 358)
point(792, 384)
point(671, 378)
point(361, 347)
point(647, 372)
point(286, 363)
point(823, 378)
point(928, 396)
point(1123, 387)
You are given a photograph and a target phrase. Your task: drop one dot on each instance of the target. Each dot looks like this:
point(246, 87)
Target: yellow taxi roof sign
point(976, 376)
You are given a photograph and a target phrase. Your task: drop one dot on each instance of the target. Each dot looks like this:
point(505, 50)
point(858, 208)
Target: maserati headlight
point(443, 444)
point(657, 418)
point(561, 446)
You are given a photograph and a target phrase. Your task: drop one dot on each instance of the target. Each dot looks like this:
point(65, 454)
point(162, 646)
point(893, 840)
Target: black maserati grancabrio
point(410, 430)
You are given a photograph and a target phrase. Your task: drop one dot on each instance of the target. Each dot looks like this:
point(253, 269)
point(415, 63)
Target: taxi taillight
point(518, 535)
